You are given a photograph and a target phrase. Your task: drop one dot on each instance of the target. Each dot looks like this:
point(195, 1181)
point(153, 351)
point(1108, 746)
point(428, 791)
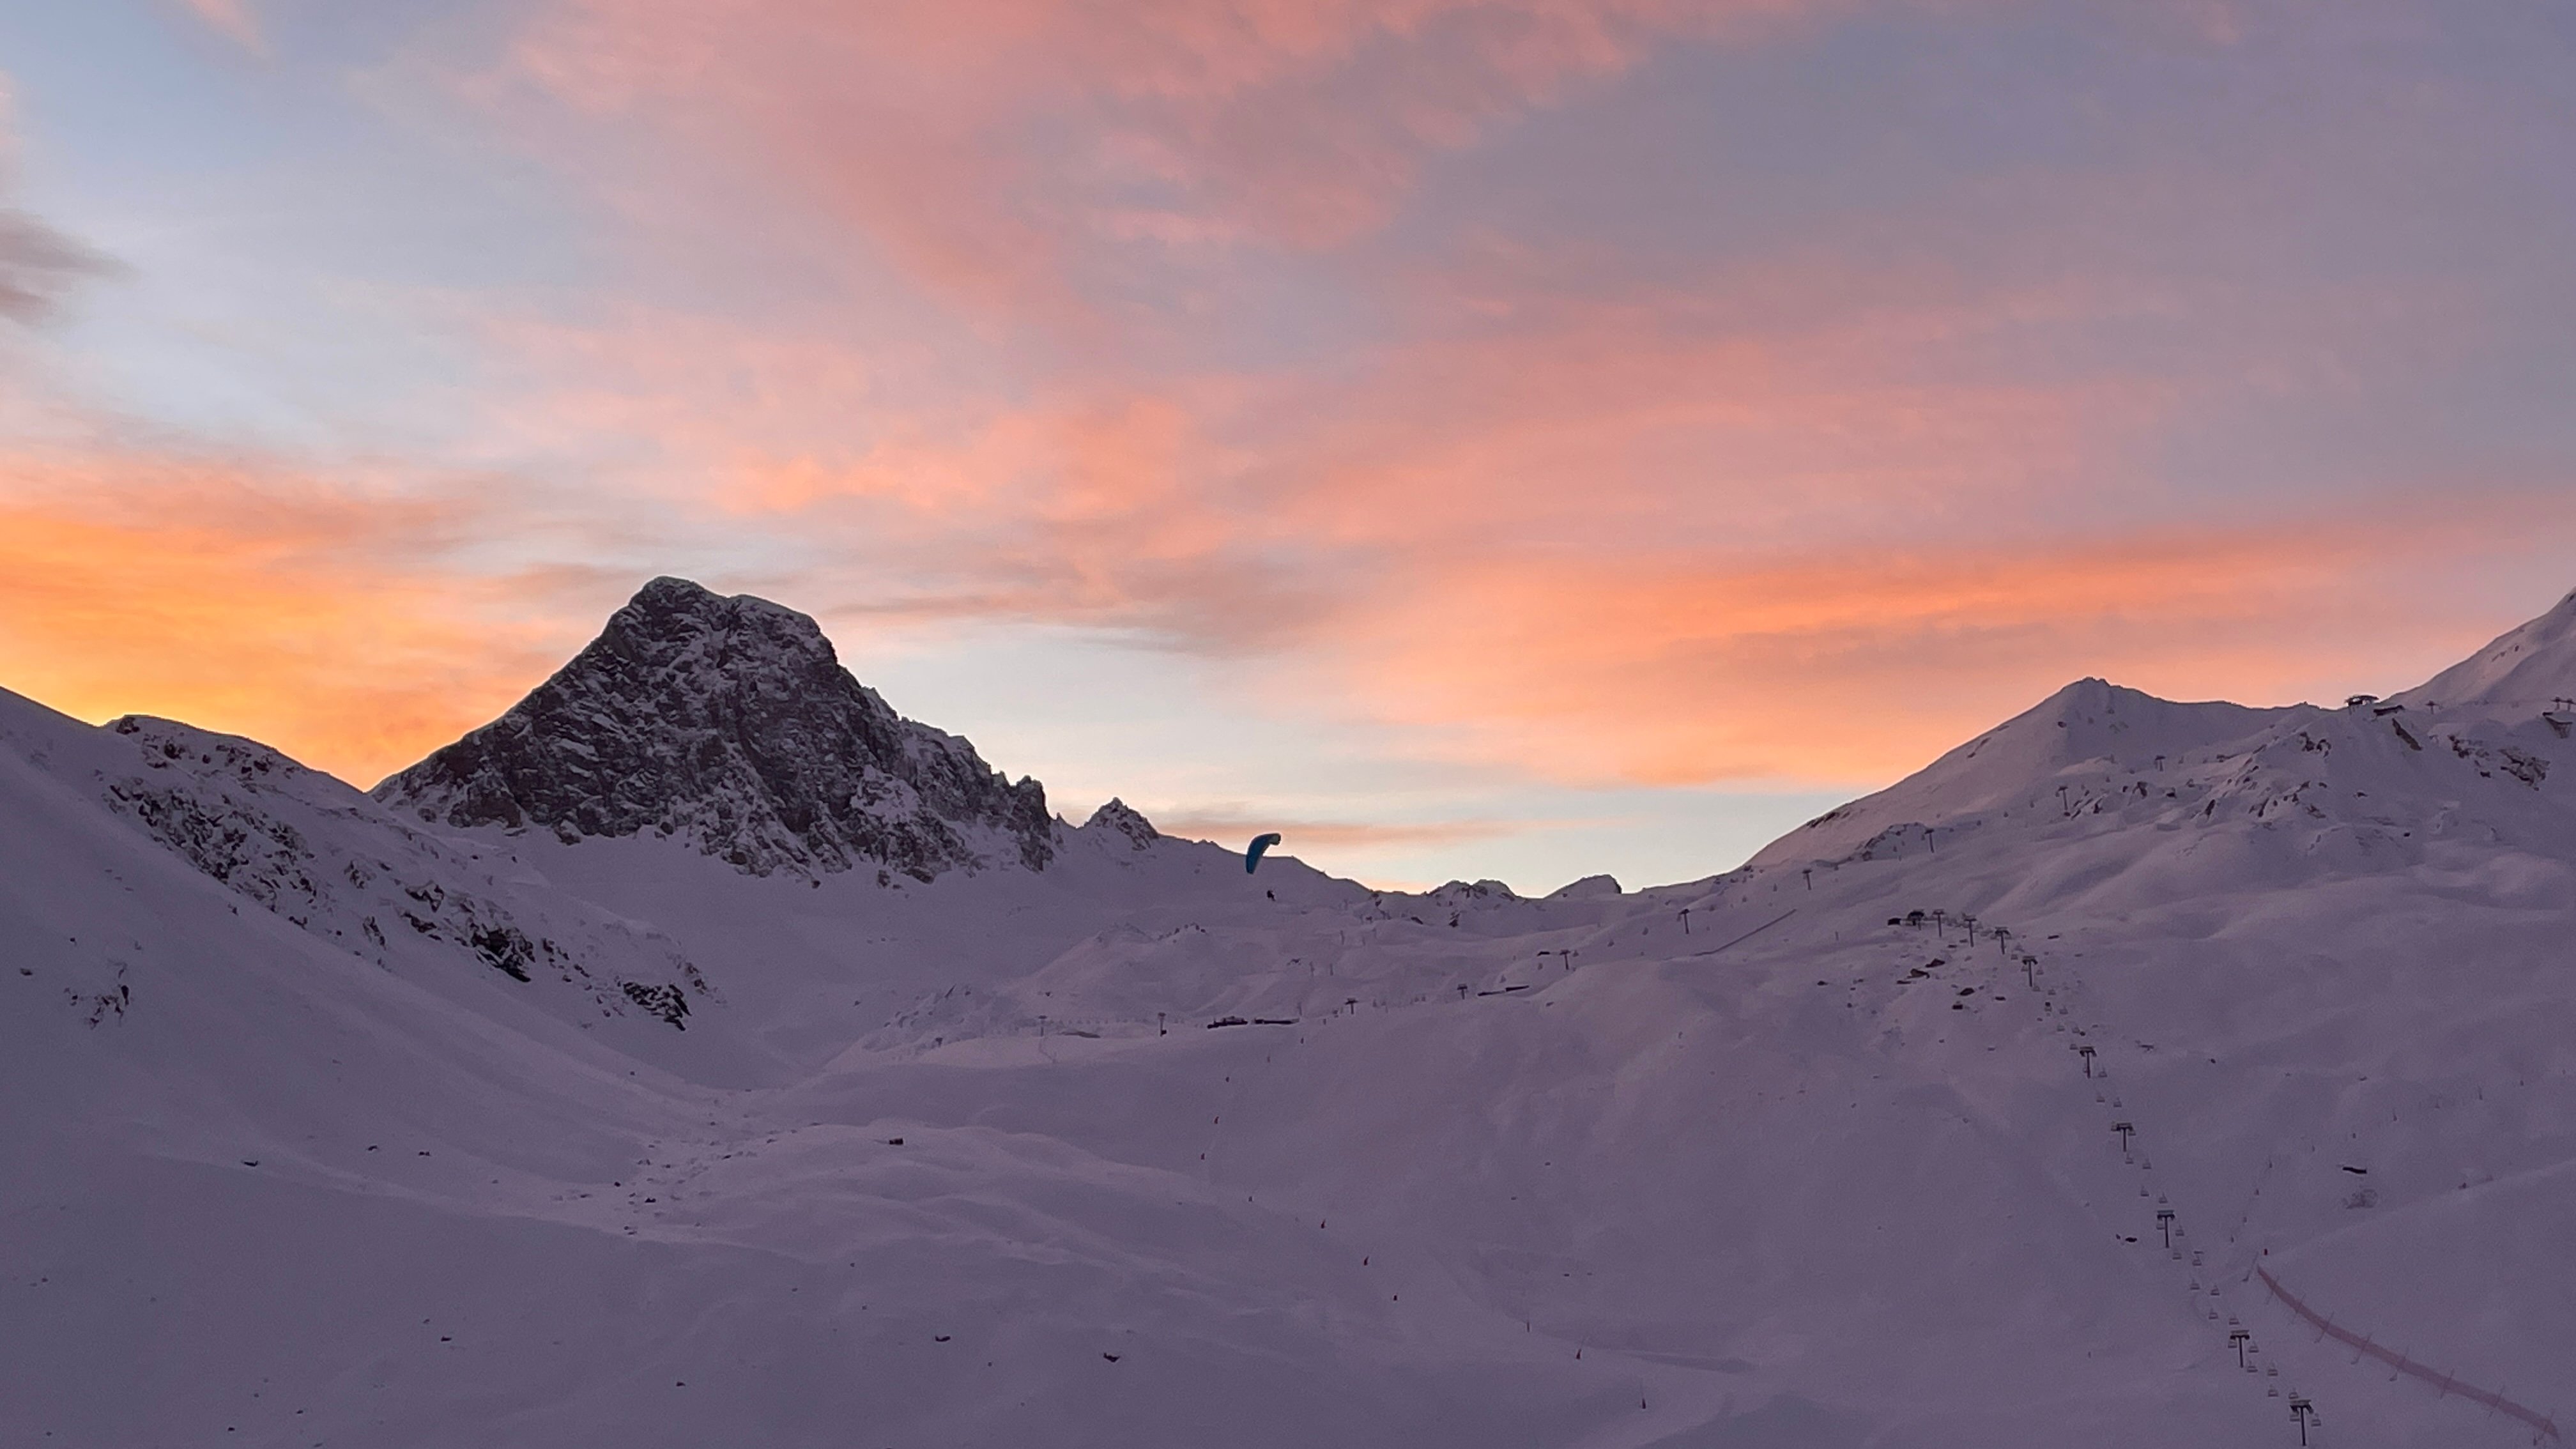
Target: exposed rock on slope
point(731, 723)
point(338, 867)
point(329, 861)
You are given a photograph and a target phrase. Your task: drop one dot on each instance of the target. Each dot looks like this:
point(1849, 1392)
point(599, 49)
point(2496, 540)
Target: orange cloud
point(1606, 556)
point(1812, 514)
point(1855, 668)
point(254, 601)
point(1619, 423)
point(1233, 511)
point(1115, 505)
point(1606, 543)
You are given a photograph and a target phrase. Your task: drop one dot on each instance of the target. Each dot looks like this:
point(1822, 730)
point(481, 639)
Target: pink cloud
point(1858, 476)
point(990, 149)
point(233, 20)
point(1593, 547)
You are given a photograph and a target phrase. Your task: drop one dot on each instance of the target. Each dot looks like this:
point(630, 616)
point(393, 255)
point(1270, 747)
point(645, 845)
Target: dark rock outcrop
point(730, 722)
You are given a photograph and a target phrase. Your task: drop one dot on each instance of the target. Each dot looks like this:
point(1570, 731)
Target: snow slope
point(2083, 732)
point(1134, 1148)
point(2530, 667)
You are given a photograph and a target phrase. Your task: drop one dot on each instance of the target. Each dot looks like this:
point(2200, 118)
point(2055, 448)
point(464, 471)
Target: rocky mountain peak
point(1127, 820)
point(729, 722)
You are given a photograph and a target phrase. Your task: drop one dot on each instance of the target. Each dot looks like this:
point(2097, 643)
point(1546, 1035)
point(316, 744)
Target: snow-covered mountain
point(328, 861)
point(2088, 732)
point(840, 1096)
point(729, 723)
point(2528, 669)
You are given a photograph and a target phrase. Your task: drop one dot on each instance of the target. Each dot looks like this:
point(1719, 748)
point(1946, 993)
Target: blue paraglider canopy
point(1260, 843)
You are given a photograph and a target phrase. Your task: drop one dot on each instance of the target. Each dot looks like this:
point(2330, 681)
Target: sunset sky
point(1474, 437)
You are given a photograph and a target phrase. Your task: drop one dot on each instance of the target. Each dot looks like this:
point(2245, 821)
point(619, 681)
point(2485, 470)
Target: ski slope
point(1761, 1161)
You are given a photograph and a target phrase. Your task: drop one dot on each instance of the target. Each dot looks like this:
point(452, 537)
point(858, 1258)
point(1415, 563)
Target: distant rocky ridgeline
point(729, 722)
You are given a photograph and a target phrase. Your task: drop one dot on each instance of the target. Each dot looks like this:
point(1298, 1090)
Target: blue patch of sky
point(279, 230)
point(1186, 738)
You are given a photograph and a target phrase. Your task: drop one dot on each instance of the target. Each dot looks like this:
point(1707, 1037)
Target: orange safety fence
point(2540, 1423)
